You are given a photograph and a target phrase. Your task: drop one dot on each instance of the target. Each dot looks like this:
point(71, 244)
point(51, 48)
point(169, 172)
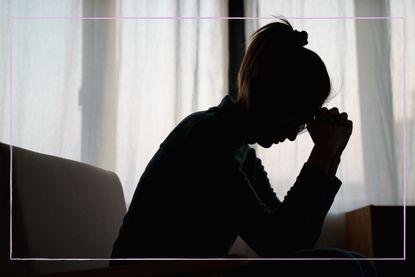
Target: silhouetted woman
point(205, 185)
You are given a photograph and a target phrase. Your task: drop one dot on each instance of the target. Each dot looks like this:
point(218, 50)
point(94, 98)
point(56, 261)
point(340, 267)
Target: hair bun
point(300, 38)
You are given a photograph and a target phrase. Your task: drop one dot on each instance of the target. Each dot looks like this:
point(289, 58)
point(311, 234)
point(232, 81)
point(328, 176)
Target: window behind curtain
point(107, 92)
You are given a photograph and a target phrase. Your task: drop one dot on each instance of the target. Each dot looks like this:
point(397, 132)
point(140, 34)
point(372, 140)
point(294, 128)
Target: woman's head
point(281, 83)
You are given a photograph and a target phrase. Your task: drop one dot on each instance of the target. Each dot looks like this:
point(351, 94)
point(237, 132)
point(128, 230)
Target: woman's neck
point(245, 121)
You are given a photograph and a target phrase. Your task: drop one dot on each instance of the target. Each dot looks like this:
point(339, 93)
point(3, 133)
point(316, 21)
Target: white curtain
point(168, 69)
point(108, 91)
point(365, 61)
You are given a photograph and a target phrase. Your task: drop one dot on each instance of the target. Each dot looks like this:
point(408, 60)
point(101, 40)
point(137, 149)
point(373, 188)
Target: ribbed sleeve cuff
point(320, 180)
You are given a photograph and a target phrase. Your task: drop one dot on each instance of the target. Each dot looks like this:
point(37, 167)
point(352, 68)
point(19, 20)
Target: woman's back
point(180, 204)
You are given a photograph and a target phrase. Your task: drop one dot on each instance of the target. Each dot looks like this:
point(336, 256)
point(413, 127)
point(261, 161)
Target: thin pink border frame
point(208, 18)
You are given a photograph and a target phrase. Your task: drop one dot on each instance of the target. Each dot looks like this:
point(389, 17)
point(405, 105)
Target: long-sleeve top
point(205, 186)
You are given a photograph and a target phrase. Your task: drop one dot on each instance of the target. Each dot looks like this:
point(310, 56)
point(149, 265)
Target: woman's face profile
point(274, 124)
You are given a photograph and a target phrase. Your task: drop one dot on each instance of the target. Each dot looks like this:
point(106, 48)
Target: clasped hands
point(330, 132)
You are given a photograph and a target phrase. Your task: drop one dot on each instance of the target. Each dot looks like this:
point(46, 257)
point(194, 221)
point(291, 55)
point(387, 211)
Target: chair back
point(60, 209)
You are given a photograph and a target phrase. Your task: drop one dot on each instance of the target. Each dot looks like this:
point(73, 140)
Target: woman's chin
point(266, 144)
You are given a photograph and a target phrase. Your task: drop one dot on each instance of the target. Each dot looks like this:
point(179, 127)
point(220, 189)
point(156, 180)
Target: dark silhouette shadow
point(205, 186)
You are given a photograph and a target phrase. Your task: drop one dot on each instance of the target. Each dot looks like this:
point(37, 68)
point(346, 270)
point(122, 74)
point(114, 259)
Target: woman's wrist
point(334, 165)
point(323, 159)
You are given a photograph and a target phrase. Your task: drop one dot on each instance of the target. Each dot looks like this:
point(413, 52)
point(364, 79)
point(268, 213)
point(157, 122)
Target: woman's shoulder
point(206, 128)
point(199, 128)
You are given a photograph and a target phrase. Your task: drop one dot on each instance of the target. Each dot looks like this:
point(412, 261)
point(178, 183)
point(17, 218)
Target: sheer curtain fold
point(403, 35)
point(44, 56)
point(108, 91)
point(168, 69)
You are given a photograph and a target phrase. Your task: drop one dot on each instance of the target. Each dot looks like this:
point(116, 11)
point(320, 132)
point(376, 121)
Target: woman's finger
point(343, 116)
point(344, 122)
point(333, 111)
point(322, 114)
point(326, 114)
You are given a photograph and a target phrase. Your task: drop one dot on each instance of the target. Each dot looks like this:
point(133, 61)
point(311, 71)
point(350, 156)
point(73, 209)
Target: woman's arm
point(295, 224)
point(260, 181)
